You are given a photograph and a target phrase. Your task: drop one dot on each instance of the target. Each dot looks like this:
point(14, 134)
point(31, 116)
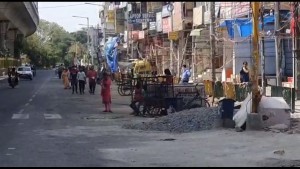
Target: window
point(24, 69)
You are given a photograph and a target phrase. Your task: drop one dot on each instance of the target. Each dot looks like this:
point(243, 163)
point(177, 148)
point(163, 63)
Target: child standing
point(105, 92)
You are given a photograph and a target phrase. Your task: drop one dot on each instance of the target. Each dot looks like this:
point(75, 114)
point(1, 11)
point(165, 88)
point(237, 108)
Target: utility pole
point(88, 39)
point(212, 39)
point(295, 34)
point(170, 9)
point(277, 44)
point(127, 30)
point(263, 74)
point(255, 38)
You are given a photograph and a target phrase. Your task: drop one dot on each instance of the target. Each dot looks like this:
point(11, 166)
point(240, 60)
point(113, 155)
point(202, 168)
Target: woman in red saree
point(105, 92)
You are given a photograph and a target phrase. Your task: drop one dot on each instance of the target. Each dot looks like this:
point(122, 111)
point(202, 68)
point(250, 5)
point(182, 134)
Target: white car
point(25, 72)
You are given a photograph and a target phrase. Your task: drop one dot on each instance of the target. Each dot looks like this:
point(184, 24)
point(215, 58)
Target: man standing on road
point(74, 80)
point(92, 75)
point(82, 80)
point(60, 70)
point(185, 75)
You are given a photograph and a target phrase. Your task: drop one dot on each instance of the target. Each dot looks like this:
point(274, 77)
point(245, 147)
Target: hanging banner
point(152, 26)
point(166, 24)
point(177, 17)
point(135, 35)
point(165, 12)
point(173, 35)
point(111, 16)
point(158, 22)
point(142, 17)
point(141, 34)
point(119, 21)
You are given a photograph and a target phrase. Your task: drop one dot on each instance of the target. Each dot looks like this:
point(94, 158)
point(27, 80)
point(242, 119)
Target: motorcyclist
point(12, 73)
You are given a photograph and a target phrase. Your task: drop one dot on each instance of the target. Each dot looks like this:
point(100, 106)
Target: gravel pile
point(185, 121)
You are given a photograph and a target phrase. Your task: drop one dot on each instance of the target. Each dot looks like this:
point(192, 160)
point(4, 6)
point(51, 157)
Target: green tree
point(51, 44)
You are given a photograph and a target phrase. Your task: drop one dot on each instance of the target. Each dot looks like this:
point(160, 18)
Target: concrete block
point(254, 121)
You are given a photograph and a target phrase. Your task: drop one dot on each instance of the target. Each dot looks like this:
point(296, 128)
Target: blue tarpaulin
point(244, 25)
point(111, 53)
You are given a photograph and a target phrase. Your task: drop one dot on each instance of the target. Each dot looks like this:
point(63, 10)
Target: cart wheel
point(206, 103)
point(126, 91)
point(120, 90)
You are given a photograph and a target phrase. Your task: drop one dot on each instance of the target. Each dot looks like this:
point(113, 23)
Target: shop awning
point(196, 32)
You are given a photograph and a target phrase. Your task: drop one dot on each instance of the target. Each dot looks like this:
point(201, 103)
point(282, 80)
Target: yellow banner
point(173, 35)
point(111, 16)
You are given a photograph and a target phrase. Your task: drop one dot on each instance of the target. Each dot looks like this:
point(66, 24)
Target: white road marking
point(26, 104)
point(8, 154)
point(20, 116)
point(11, 148)
point(21, 111)
point(30, 100)
point(52, 116)
point(33, 96)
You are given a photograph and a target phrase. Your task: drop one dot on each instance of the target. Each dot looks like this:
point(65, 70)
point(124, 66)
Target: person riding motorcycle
point(12, 73)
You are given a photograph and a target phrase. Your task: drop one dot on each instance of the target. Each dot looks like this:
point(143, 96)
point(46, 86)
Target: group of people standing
point(72, 78)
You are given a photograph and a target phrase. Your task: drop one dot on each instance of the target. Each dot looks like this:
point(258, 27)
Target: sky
point(62, 12)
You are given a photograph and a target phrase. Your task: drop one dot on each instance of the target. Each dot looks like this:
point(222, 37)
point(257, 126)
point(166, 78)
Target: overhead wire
point(60, 6)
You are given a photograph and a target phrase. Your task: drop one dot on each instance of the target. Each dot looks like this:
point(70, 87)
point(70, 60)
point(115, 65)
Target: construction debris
point(185, 121)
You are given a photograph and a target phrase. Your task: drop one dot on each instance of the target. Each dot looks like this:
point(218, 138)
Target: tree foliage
point(51, 44)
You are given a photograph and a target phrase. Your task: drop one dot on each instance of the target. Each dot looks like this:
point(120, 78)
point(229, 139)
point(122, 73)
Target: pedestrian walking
point(92, 75)
point(65, 78)
point(105, 92)
point(82, 80)
point(73, 79)
point(186, 74)
point(60, 70)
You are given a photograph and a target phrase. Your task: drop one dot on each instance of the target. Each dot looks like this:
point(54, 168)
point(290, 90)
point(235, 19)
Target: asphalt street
point(43, 124)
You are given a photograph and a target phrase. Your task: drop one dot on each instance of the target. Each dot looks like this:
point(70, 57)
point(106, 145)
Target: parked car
point(25, 72)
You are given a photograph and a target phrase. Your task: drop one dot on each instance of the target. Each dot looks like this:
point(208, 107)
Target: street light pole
point(87, 33)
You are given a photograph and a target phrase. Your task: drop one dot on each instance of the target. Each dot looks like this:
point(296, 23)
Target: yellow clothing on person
point(65, 77)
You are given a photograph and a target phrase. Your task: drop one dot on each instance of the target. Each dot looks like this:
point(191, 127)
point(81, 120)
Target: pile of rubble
point(185, 121)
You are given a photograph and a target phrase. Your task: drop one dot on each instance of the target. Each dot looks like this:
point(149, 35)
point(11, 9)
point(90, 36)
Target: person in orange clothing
point(65, 76)
point(106, 92)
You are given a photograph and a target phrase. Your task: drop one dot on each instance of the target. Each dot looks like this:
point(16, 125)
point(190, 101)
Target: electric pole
point(255, 38)
point(212, 39)
point(263, 74)
point(277, 44)
point(295, 34)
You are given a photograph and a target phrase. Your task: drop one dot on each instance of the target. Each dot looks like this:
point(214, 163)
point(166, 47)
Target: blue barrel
point(227, 108)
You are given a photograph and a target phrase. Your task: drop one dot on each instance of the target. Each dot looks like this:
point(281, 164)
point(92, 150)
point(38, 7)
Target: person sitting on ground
point(137, 98)
point(169, 77)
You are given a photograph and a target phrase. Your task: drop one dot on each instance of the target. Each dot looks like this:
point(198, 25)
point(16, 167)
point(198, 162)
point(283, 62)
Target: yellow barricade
point(208, 87)
point(229, 90)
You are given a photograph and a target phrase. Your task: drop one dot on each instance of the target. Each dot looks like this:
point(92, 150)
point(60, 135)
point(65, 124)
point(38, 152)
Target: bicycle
point(197, 100)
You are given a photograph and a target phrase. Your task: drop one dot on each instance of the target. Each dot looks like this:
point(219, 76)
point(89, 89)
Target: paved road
point(44, 125)
point(41, 124)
